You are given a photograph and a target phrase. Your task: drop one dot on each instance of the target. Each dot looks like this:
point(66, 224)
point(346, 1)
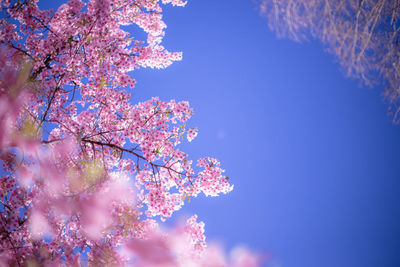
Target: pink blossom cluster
point(191, 134)
point(84, 169)
point(184, 246)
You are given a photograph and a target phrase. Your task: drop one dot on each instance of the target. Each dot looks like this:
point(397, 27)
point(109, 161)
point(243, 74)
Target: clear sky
point(313, 156)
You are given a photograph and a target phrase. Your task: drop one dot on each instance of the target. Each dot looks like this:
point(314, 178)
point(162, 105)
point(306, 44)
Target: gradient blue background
point(313, 156)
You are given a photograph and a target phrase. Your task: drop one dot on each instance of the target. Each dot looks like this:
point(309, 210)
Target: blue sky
point(313, 156)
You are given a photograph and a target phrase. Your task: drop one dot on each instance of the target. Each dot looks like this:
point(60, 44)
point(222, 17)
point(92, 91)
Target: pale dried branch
point(362, 34)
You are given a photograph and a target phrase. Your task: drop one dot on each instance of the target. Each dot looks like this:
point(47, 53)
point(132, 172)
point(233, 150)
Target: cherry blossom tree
point(86, 172)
